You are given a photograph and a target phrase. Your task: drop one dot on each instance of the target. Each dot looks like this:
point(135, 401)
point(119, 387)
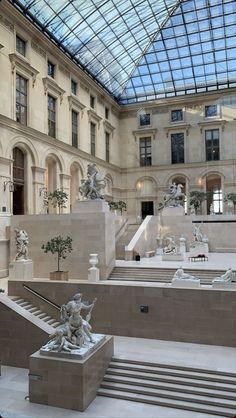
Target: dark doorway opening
point(19, 180)
point(146, 209)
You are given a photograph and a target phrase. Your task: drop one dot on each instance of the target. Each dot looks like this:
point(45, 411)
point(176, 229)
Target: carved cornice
point(178, 127)
point(64, 70)
point(74, 103)
point(92, 116)
point(84, 87)
point(35, 46)
point(108, 126)
point(140, 133)
point(51, 86)
point(22, 64)
point(212, 123)
point(4, 21)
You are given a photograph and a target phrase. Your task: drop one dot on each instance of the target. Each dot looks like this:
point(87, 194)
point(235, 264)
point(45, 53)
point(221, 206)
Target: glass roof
point(144, 49)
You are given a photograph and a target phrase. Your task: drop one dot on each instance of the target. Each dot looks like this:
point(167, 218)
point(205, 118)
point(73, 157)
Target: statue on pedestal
point(227, 277)
point(22, 242)
point(174, 196)
point(179, 274)
point(74, 331)
point(171, 247)
point(91, 187)
point(197, 233)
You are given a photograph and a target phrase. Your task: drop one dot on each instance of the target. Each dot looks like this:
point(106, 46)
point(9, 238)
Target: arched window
point(19, 181)
point(214, 198)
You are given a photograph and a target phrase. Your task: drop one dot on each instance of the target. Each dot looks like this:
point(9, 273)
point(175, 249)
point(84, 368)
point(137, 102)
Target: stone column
point(38, 188)
point(65, 186)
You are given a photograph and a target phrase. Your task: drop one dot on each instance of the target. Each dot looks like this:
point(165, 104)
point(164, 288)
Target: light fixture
point(11, 186)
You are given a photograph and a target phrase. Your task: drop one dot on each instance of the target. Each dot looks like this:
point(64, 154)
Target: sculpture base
point(185, 283)
point(21, 270)
point(173, 211)
point(224, 285)
point(90, 206)
point(93, 274)
point(76, 354)
point(198, 248)
point(66, 382)
point(172, 257)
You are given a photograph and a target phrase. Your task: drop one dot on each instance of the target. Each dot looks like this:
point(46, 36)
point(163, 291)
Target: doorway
point(19, 182)
point(146, 209)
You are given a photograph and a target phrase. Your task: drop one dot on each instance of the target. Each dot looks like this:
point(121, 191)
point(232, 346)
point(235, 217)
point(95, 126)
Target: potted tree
point(121, 206)
point(58, 198)
point(62, 247)
point(197, 197)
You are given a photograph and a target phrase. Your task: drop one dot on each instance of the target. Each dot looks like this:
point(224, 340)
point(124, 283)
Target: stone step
point(55, 324)
point(174, 395)
point(200, 383)
point(215, 393)
point(173, 372)
point(171, 403)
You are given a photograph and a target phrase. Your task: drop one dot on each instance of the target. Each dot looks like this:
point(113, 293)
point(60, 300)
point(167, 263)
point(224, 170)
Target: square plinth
point(68, 383)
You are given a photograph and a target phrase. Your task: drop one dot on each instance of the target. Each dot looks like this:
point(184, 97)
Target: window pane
point(51, 116)
point(177, 148)
point(20, 45)
point(21, 99)
point(145, 151)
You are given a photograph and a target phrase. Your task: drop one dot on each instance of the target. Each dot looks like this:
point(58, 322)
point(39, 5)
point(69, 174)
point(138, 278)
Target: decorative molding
point(115, 111)
point(178, 127)
point(64, 71)
point(22, 64)
point(151, 132)
point(84, 87)
point(212, 123)
point(51, 86)
point(38, 49)
point(92, 116)
point(101, 99)
point(4, 21)
point(108, 127)
point(74, 103)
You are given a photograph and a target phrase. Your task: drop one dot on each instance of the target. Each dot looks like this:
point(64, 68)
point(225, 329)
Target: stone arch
point(52, 153)
point(25, 145)
point(213, 184)
point(171, 177)
point(146, 178)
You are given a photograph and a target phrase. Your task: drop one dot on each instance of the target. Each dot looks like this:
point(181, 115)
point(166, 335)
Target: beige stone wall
point(201, 316)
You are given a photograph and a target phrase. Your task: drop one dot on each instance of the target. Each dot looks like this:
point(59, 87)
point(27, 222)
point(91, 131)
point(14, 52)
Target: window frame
point(144, 125)
point(93, 139)
point(177, 110)
point(212, 147)
point(92, 101)
point(74, 87)
point(74, 132)
point(107, 146)
point(50, 121)
point(24, 42)
point(53, 66)
point(173, 150)
point(19, 103)
point(212, 116)
point(145, 159)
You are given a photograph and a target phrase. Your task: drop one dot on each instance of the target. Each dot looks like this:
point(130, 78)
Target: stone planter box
point(59, 275)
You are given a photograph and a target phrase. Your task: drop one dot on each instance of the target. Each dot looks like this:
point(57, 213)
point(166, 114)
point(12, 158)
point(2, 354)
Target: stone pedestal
point(198, 248)
point(172, 257)
point(224, 285)
point(93, 274)
point(21, 270)
point(173, 211)
point(68, 383)
point(90, 206)
point(185, 283)
point(182, 245)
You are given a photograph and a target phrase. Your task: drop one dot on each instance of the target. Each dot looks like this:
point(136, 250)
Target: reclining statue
point(227, 277)
point(179, 274)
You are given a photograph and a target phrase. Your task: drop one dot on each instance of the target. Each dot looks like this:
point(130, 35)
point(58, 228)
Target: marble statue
point(174, 196)
point(91, 187)
point(179, 274)
point(74, 332)
point(192, 210)
point(227, 277)
point(197, 233)
point(212, 209)
point(22, 242)
point(171, 247)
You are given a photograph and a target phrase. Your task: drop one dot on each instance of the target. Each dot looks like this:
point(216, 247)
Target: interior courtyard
point(118, 141)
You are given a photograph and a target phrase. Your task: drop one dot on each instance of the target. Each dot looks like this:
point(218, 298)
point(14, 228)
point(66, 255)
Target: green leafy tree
point(60, 246)
point(230, 196)
point(2, 290)
point(121, 206)
point(58, 198)
point(197, 197)
point(113, 205)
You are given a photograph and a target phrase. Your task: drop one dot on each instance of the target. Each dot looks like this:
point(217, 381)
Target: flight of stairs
point(157, 274)
point(35, 311)
point(200, 390)
point(125, 240)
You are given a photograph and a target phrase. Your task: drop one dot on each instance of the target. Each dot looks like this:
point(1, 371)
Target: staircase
point(125, 240)
point(193, 389)
point(163, 275)
point(34, 310)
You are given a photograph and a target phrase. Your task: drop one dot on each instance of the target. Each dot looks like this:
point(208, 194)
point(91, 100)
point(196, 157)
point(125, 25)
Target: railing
point(44, 298)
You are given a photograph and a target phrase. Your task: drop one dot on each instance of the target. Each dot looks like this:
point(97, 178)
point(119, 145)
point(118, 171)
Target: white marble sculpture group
point(91, 187)
point(22, 244)
point(74, 334)
point(174, 196)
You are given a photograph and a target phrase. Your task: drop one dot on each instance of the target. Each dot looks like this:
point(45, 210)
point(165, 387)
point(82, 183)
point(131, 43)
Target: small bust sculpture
point(227, 277)
point(91, 187)
point(22, 242)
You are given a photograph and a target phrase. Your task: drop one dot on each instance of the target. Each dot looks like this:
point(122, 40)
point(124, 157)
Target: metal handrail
point(44, 298)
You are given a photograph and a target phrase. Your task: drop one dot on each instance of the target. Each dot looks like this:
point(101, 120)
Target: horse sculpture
point(174, 196)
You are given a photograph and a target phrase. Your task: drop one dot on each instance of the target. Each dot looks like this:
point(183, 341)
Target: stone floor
point(215, 261)
point(14, 382)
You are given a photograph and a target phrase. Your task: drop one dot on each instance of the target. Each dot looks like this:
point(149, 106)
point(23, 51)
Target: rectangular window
point(106, 113)
point(212, 140)
point(74, 120)
point(51, 116)
point(20, 45)
point(92, 138)
point(176, 115)
point(144, 119)
point(145, 151)
point(92, 102)
point(51, 69)
point(21, 100)
point(211, 111)
point(74, 87)
point(107, 137)
point(177, 148)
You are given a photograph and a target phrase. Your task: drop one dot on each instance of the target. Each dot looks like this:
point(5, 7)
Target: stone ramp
point(201, 390)
point(162, 275)
point(125, 240)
